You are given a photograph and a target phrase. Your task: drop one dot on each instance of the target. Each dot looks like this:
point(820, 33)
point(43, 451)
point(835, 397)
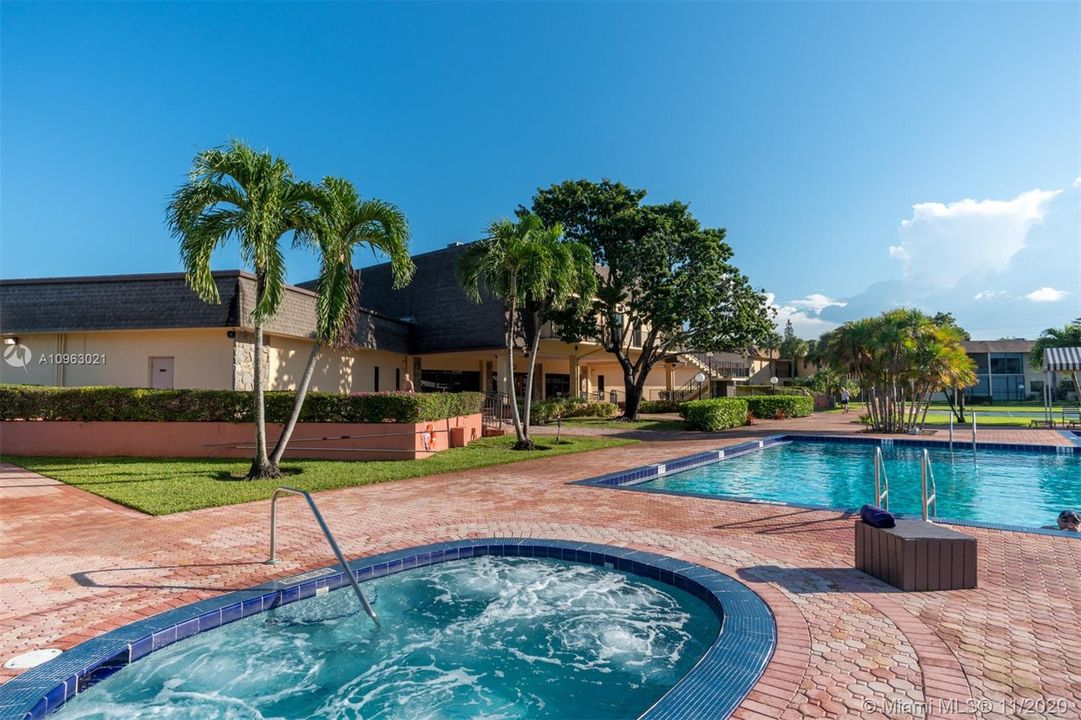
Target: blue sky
point(820, 135)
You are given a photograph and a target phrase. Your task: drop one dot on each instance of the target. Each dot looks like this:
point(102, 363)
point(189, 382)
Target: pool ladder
point(928, 493)
point(928, 486)
point(326, 533)
point(882, 482)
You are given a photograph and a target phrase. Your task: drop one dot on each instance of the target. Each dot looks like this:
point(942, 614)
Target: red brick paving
point(74, 565)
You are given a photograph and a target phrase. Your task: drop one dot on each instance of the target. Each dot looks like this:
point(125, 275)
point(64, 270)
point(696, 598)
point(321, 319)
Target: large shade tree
point(236, 193)
point(664, 282)
point(1067, 336)
point(343, 223)
point(532, 269)
point(899, 359)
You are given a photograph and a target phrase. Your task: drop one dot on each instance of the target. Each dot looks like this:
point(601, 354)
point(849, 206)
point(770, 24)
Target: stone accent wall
point(244, 360)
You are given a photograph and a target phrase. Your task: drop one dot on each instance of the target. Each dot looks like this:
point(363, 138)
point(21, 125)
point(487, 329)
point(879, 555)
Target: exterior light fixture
point(11, 341)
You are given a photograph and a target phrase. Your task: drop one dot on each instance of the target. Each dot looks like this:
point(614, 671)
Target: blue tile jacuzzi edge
point(715, 686)
point(633, 478)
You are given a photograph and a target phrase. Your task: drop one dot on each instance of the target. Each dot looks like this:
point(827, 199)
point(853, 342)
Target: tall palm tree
point(567, 271)
point(531, 269)
point(343, 223)
point(1067, 336)
point(237, 193)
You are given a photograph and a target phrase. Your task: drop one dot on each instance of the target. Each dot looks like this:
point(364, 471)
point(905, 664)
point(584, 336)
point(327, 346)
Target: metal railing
point(496, 410)
point(882, 482)
point(928, 500)
point(326, 533)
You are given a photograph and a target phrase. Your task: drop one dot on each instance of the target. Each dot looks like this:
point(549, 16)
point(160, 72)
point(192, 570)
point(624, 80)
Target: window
point(397, 378)
point(375, 380)
point(1007, 363)
point(557, 385)
point(600, 384)
point(449, 381)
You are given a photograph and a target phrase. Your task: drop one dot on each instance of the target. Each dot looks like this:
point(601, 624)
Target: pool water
point(488, 637)
point(1026, 489)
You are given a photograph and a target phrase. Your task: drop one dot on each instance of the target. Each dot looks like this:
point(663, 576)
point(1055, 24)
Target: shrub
point(542, 412)
point(750, 390)
point(579, 408)
point(716, 414)
point(778, 407)
point(86, 404)
point(659, 406)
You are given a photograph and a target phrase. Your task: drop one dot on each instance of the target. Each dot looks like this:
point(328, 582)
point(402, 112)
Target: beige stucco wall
point(202, 358)
point(335, 371)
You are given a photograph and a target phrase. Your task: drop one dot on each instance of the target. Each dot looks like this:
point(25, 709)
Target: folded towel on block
point(877, 517)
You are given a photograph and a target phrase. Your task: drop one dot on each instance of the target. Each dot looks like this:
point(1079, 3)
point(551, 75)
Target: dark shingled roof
point(164, 301)
point(445, 318)
point(996, 346)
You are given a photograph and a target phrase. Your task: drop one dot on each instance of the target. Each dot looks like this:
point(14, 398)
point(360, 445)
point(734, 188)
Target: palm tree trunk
point(515, 416)
point(261, 469)
point(534, 347)
point(298, 405)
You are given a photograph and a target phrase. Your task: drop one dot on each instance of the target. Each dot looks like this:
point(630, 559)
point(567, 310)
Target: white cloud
point(816, 303)
point(1077, 182)
point(985, 295)
point(804, 314)
point(941, 243)
point(1046, 294)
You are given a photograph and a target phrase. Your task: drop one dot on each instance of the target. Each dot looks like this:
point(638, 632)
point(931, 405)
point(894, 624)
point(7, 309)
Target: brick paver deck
point(73, 565)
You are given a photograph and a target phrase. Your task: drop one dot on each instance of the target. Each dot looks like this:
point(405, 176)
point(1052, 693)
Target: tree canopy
point(664, 282)
point(899, 359)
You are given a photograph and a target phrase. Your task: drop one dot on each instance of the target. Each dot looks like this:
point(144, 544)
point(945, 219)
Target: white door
point(161, 373)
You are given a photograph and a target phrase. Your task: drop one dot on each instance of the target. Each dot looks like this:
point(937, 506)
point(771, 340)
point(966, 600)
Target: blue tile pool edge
point(715, 686)
point(633, 478)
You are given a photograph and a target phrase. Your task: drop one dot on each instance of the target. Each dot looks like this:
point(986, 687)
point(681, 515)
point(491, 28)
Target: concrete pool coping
point(715, 686)
point(633, 478)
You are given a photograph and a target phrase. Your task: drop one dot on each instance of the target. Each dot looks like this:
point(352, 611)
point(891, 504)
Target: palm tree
point(568, 272)
point(343, 223)
point(532, 270)
point(237, 193)
point(1067, 336)
point(900, 359)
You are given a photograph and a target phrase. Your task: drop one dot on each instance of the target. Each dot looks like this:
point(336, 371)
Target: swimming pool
point(999, 486)
point(508, 628)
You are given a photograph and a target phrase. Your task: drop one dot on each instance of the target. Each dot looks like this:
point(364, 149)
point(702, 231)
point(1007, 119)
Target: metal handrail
point(326, 532)
point(928, 500)
point(882, 482)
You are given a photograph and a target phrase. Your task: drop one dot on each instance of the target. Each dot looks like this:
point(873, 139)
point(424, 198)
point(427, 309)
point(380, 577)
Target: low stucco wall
point(333, 441)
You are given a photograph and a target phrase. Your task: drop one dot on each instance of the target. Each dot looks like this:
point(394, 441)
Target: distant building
point(1003, 371)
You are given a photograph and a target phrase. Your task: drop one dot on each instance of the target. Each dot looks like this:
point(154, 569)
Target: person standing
point(407, 384)
point(844, 399)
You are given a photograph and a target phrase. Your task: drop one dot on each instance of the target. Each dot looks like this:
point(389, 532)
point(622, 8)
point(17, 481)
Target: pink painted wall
point(381, 441)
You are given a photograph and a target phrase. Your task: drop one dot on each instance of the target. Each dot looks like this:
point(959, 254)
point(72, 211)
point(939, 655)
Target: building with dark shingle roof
point(153, 330)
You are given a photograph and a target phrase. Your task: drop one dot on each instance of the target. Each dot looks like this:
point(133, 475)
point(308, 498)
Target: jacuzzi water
point(488, 637)
point(1026, 489)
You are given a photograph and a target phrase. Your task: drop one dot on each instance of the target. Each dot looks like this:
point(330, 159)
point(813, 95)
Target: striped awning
point(1062, 359)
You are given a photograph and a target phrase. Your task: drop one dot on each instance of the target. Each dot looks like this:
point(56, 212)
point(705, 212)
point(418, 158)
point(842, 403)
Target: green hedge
point(543, 412)
point(659, 406)
point(753, 390)
point(21, 402)
point(778, 407)
point(716, 414)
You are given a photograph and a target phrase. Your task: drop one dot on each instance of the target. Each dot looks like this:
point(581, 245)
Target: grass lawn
point(1004, 408)
point(160, 486)
point(642, 423)
point(982, 419)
